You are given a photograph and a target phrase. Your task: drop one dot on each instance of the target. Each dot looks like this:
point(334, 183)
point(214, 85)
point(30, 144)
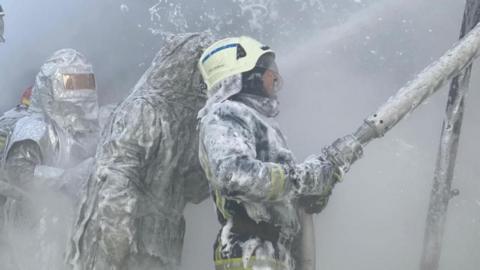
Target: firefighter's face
point(272, 82)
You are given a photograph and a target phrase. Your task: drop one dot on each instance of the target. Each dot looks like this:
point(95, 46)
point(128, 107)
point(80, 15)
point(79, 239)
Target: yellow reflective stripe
point(237, 264)
point(218, 252)
point(219, 199)
point(220, 202)
point(3, 141)
point(204, 162)
point(277, 177)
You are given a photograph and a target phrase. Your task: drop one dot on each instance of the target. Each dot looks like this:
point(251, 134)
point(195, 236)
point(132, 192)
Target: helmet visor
point(79, 81)
point(267, 61)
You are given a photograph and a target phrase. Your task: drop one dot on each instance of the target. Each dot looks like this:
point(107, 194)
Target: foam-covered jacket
point(147, 169)
point(252, 171)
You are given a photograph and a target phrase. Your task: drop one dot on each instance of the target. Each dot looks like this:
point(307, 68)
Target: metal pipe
point(307, 260)
point(432, 78)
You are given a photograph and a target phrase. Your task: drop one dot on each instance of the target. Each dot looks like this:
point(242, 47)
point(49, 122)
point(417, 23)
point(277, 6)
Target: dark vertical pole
point(2, 13)
point(442, 186)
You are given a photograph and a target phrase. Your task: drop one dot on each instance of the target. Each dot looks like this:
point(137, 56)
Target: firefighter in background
point(10, 117)
point(48, 156)
point(8, 191)
point(147, 169)
point(7, 123)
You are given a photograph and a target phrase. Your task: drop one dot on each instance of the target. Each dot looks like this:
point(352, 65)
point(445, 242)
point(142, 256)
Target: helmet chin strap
point(252, 82)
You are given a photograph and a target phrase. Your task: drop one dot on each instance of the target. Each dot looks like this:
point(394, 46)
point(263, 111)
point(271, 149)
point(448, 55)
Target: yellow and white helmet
point(230, 56)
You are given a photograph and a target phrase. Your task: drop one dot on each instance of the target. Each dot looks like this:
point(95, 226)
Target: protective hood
point(174, 74)
point(65, 93)
point(267, 106)
point(220, 92)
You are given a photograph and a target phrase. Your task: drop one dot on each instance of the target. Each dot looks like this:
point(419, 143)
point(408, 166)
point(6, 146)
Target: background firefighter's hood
point(173, 73)
point(46, 90)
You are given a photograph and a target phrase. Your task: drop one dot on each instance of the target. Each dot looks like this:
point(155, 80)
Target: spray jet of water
point(329, 37)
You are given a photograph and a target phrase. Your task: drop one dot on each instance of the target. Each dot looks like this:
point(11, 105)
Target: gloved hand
point(74, 179)
point(313, 204)
point(343, 152)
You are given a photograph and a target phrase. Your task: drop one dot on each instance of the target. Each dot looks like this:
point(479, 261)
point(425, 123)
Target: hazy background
point(340, 60)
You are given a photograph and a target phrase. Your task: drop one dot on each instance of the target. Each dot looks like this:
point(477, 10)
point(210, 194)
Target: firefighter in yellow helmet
point(257, 185)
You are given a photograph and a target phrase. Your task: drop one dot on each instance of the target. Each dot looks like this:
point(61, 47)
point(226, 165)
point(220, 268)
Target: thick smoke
point(340, 61)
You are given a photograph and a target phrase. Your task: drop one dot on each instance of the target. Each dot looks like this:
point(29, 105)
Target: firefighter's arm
point(22, 159)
